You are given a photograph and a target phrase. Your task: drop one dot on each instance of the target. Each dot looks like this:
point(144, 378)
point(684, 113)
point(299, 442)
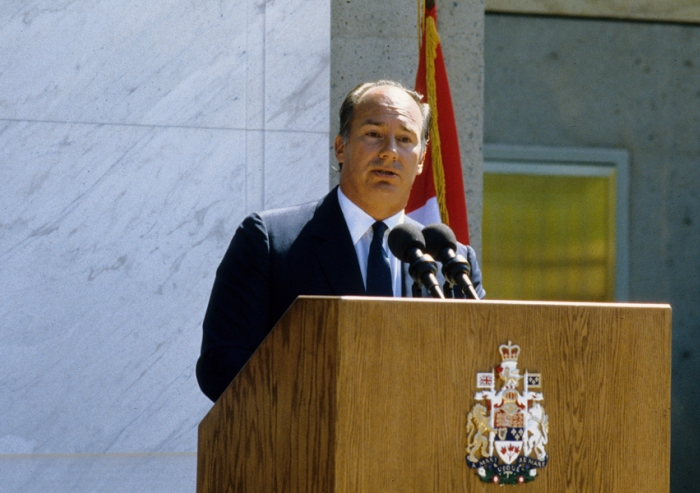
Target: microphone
point(440, 241)
point(407, 244)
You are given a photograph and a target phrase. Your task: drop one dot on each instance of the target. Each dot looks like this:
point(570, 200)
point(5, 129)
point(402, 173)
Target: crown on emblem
point(509, 352)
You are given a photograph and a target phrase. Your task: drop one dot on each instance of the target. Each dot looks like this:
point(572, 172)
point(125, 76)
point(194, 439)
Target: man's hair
point(347, 109)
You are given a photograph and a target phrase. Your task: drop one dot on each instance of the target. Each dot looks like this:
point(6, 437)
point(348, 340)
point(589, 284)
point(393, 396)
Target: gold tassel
point(432, 40)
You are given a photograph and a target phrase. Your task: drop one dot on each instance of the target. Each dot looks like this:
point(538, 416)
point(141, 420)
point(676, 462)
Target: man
point(323, 248)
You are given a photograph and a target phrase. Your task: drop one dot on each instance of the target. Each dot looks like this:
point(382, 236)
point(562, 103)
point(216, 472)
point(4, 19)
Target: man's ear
point(419, 170)
point(339, 149)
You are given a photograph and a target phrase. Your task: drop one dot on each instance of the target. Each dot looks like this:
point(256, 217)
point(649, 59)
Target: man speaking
point(336, 246)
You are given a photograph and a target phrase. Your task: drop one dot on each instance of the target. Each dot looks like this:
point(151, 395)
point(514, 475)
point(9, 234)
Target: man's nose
point(390, 150)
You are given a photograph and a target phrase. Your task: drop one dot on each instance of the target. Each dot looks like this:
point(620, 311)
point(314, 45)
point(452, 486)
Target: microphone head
point(403, 238)
point(439, 236)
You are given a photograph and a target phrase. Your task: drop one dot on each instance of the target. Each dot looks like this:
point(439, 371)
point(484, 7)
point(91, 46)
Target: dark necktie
point(379, 281)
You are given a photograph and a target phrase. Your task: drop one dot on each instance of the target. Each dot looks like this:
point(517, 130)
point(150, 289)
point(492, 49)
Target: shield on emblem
point(511, 427)
point(508, 450)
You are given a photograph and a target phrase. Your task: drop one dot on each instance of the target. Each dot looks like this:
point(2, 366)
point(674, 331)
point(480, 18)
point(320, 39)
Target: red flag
point(438, 193)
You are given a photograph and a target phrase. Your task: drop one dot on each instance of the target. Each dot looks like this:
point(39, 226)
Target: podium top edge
point(625, 304)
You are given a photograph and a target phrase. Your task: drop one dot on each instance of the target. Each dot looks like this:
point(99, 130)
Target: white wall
point(134, 137)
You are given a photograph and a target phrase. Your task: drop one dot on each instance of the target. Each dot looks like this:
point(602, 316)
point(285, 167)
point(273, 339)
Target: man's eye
point(372, 133)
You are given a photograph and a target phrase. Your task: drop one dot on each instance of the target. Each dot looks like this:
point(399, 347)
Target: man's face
point(383, 154)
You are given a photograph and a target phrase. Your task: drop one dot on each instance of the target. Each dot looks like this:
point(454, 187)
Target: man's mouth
point(385, 172)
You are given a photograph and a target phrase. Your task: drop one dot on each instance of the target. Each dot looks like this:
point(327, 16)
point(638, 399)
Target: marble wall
point(134, 136)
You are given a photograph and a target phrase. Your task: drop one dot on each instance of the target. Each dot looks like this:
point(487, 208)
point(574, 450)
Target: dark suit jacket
point(274, 257)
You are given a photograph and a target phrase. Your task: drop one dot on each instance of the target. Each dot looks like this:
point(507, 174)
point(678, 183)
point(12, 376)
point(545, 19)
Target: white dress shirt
point(360, 226)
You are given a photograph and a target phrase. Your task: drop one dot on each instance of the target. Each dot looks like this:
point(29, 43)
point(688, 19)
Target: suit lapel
point(334, 249)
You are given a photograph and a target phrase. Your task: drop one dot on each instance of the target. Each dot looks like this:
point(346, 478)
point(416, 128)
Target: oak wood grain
point(363, 395)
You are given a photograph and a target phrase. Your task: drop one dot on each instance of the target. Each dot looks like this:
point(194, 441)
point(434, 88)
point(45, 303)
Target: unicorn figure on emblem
point(536, 431)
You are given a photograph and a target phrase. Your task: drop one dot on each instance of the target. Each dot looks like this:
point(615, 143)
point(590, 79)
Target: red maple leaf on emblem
point(510, 450)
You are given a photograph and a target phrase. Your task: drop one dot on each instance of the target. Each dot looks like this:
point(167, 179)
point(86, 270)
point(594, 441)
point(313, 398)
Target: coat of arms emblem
point(507, 428)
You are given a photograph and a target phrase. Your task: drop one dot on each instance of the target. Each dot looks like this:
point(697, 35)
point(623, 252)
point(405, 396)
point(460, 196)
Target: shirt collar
point(359, 221)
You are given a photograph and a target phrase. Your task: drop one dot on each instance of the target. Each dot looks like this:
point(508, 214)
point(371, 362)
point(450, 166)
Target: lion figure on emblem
point(477, 430)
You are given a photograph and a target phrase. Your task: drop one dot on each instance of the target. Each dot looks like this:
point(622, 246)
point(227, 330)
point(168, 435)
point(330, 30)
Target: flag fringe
point(432, 40)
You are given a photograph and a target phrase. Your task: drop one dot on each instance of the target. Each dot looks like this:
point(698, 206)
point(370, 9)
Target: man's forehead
point(382, 101)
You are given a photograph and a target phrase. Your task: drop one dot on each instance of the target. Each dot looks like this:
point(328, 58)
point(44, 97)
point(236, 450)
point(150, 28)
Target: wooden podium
point(372, 395)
